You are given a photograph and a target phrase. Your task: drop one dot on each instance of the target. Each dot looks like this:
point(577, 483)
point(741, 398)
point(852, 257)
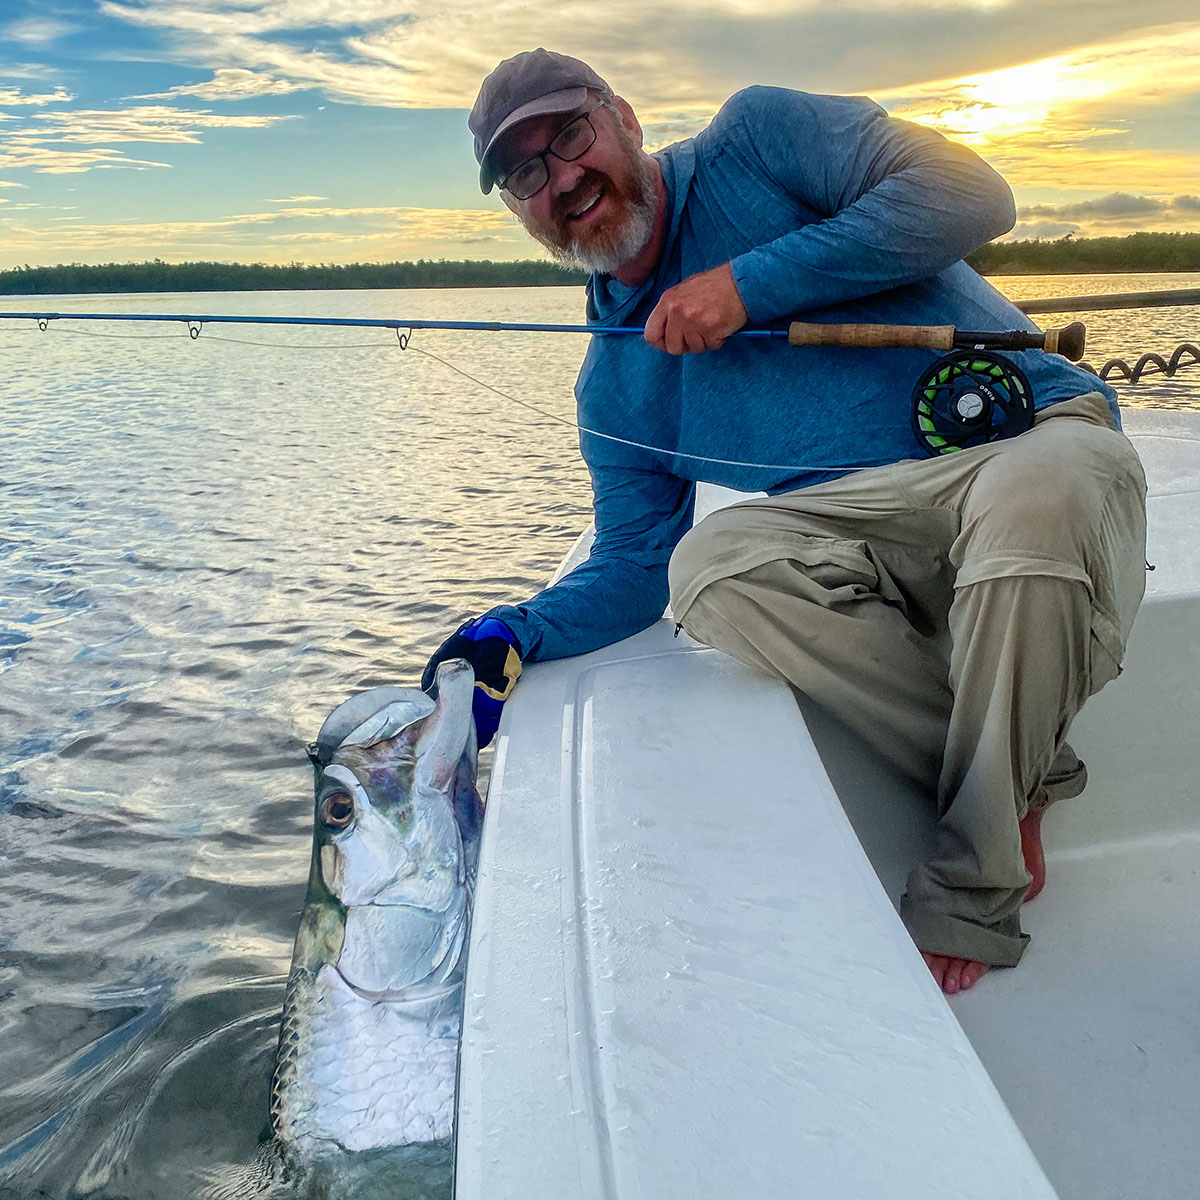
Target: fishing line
point(611, 437)
point(123, 337)
point(1148, 364)
point(574, 425)
point(962, 400)
point(218, 337)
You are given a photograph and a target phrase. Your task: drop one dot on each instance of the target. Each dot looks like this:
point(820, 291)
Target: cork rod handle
point(931, 337)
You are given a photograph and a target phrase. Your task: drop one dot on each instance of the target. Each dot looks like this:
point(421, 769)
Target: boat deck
point(1092, 1041)
point(688, 977)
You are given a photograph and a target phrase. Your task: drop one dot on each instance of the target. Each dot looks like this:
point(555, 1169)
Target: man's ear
point(628, 117)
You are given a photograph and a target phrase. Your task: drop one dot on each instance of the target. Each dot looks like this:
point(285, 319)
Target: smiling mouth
point(588, 206)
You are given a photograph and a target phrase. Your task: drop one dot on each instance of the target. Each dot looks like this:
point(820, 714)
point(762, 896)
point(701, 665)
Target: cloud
point(310, 235)
point(142, 123)
point(415, 54)
point(15, 98)
point(1114, 214)
point(1050, 102)
point(15, 154)
point(38, 31)
point(1118, 206)
point(48, 142)
point(434, 53)
point(255, 17)
point(321, 233)
point(424, 224)
point(1108, 77)
point(1066, 121)
point(29, 70)
point(229, 83)
point(1056, 104)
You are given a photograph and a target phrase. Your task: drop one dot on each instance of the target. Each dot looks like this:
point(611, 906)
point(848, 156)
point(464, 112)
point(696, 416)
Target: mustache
point(584, 188)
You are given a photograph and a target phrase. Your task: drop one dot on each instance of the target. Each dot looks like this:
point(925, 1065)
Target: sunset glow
point(170, 128)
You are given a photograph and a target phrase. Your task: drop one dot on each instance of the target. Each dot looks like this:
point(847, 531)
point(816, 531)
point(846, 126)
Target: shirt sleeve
point(899, 201)
point(622, 586)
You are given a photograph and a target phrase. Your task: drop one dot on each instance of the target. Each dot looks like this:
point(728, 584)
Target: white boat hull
point(688, 978)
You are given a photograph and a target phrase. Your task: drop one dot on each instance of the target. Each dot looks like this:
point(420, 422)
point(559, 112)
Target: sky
point(335, 130)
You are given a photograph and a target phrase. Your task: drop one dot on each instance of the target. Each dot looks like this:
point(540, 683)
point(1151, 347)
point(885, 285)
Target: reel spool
point(969, 398)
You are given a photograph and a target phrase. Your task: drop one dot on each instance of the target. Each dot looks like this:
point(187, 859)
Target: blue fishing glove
point(493, 650)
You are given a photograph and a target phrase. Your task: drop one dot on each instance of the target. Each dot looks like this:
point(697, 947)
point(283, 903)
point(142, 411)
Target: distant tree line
point(1082, 256)
point(159, 276)
point(1067, 255)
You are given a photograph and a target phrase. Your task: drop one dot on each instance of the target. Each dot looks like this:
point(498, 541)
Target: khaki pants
point(956, 612)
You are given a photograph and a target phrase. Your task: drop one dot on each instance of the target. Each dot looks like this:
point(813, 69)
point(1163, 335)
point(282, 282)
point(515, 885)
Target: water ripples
point(207, 546)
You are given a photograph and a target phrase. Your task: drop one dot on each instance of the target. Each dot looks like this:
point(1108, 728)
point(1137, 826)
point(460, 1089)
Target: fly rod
point(969, 396)
point(1068, 340)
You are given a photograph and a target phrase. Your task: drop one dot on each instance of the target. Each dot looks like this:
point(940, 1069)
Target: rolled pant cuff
point(1060, 784)
point(937, 933)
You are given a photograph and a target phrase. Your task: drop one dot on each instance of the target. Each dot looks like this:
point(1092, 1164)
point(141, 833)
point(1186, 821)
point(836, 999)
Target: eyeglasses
point(570, 143)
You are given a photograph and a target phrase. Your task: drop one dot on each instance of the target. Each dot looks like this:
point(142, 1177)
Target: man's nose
point(564, 176)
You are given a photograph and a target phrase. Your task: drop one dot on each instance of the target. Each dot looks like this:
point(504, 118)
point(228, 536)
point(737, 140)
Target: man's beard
point(615, 241)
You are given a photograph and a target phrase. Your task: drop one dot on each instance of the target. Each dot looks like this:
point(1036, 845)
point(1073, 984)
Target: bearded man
point(956, 611)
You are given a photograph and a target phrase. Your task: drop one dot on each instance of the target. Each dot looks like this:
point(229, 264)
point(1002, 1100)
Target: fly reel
point(969, 398)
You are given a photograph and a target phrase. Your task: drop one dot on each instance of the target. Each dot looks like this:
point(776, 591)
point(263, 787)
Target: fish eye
point(337, 811)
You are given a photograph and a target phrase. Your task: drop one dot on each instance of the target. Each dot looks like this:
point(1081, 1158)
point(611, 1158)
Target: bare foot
point(954, 975)
point(1031, 848)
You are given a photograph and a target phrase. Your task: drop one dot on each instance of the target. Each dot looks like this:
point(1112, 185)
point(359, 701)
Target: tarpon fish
point(368, 1047)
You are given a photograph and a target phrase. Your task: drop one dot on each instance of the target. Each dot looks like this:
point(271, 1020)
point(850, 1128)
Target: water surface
point(208, 544)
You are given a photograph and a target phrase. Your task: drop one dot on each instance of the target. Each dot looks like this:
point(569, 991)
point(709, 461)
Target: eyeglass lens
point(532, 175)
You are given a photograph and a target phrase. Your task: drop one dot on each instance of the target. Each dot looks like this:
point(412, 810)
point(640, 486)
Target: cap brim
point(565, 101)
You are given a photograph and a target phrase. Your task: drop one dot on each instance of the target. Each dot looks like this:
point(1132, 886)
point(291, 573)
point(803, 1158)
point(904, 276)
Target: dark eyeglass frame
point(577, 152)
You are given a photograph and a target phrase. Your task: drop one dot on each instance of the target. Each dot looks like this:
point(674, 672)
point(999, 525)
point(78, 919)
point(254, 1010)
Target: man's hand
point(493, 651)
point(697, 314)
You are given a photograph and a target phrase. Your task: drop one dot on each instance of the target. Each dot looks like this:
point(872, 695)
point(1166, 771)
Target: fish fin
point(449, 729)
point(468, 809)
point(388, 722)
point(352, 715)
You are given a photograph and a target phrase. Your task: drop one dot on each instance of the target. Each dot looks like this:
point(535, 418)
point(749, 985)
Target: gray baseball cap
point(530, 84)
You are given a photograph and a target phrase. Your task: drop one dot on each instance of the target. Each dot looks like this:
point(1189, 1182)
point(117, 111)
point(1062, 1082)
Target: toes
point(937, 964)
point(952, 981)
point(972, 973)
point(963, 974)
point(954, 975)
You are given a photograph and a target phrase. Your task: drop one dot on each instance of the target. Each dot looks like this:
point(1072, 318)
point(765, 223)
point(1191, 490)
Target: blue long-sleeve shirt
point(825, 207)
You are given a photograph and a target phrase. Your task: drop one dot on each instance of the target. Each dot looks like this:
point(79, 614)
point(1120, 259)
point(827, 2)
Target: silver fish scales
point(368, 1046)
